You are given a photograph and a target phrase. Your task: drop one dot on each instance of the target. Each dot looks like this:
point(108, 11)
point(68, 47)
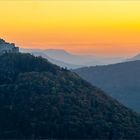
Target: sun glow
point(99, 27)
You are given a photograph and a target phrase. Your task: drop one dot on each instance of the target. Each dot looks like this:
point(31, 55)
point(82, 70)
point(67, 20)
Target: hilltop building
point(8, 47)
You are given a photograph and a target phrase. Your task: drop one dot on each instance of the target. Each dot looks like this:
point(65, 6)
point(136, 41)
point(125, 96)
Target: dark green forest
point(41, 100)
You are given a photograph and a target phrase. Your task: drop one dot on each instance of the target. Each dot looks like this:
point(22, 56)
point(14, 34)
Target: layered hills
point(39, 100)
point(121, 81)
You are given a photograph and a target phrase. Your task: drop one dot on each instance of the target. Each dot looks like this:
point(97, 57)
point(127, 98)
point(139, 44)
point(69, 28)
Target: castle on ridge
point(6, 47)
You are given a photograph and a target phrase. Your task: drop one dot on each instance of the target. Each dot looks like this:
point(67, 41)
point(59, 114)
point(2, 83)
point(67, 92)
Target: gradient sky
point(79, 26)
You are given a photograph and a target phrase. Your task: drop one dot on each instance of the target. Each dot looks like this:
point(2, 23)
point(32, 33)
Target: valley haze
point(73, 71)
point(72, 61)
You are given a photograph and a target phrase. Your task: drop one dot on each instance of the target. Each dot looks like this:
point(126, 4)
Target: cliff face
point(6, 47)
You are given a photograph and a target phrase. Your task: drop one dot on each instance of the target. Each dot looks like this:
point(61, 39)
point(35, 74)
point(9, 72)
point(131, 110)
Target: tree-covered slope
point(41, 100)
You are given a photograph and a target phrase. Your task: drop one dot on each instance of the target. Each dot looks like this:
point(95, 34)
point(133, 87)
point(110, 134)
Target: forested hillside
point(41, 100)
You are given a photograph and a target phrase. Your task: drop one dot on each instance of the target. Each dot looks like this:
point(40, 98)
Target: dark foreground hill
point(121, 81)
point(41, 100)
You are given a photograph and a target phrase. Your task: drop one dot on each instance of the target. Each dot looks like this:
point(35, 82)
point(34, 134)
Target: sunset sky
point(79, 26)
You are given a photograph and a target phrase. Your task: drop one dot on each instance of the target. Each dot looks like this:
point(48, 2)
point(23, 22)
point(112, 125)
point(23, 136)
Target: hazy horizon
point(80, 54)
point(108, 28)
point(70, 69)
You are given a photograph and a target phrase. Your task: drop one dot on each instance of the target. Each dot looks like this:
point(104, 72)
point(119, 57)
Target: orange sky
point(81, 26)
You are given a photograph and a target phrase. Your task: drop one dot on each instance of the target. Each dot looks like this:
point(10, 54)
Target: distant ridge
point(136, 57)
point(71, 61)
point(57, 52)
point(62, 55)
point(121, 81)
point(37, 52)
